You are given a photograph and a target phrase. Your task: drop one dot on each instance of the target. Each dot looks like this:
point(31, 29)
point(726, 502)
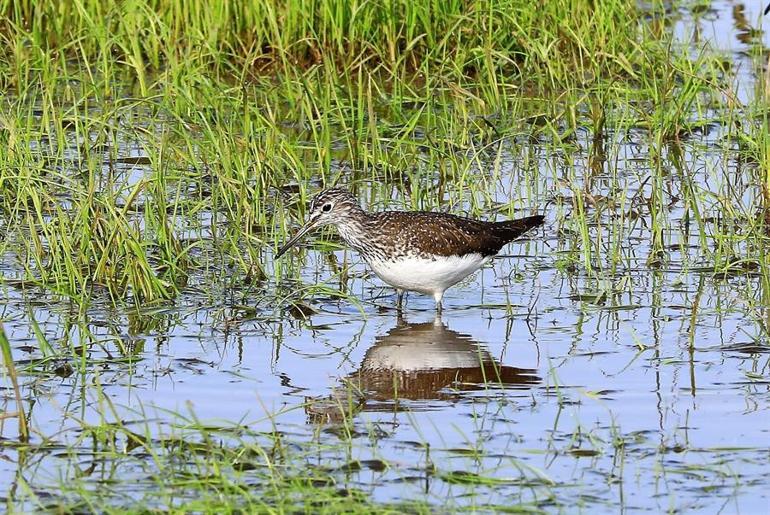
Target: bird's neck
point(355, 229)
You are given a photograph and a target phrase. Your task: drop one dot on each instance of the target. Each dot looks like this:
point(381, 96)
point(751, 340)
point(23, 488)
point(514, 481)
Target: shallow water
point(647, 389)
point(657, 401)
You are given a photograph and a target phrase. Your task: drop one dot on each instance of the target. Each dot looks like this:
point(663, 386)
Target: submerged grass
point(187, 465)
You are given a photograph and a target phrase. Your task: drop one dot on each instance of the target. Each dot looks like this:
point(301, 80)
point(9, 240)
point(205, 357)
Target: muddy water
point(647, 389)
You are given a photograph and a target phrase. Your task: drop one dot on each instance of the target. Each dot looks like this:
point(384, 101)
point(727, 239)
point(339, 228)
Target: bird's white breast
point(427, 275)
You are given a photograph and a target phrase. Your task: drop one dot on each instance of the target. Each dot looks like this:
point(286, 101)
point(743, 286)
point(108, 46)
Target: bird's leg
point(438, 296)
point(400, 300)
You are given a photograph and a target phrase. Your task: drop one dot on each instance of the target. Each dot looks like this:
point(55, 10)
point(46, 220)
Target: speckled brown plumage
point(441, 234)
point(418, 233)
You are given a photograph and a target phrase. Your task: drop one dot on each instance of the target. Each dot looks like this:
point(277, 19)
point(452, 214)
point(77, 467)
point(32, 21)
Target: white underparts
point(429, 276)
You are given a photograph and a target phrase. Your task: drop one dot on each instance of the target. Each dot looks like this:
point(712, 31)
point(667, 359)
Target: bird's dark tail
point(512, 229)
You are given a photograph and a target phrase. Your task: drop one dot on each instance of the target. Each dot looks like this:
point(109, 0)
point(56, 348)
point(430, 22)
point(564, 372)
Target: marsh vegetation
point(154, 153)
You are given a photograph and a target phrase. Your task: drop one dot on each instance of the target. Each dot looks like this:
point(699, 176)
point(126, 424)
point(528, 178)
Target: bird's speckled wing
point(448, 235)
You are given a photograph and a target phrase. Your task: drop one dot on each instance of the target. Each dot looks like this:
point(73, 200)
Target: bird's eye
point(326, 208)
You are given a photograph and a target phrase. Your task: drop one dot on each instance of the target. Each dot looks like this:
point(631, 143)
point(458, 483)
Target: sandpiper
point(417, 251)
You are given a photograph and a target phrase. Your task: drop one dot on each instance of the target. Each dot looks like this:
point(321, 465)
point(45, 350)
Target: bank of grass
point(426, 40)
point(146, 143)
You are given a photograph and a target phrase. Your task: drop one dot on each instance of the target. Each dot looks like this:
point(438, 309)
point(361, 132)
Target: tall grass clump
point(558, 40)
point(237, 110)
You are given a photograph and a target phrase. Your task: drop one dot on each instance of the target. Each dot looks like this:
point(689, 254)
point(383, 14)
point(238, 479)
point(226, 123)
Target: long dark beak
point(293, 241)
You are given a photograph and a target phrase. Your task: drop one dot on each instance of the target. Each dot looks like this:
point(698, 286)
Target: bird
point(422, 251)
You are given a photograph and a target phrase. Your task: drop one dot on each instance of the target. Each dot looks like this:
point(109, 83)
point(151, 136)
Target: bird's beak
point(310, 224)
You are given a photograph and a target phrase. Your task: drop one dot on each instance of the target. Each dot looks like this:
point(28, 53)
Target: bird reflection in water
point(417, 362)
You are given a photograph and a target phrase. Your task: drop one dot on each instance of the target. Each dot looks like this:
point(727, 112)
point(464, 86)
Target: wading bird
point(417, 251)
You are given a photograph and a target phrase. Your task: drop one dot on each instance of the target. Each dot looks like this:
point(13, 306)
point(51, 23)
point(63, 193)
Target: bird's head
point(330, 207)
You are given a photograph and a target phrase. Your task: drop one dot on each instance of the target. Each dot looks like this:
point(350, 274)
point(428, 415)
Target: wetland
point(154, 154)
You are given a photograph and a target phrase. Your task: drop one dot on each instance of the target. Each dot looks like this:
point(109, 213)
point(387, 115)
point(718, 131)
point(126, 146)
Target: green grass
point(427, 40)
point(232, 107)
point(190, 466)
